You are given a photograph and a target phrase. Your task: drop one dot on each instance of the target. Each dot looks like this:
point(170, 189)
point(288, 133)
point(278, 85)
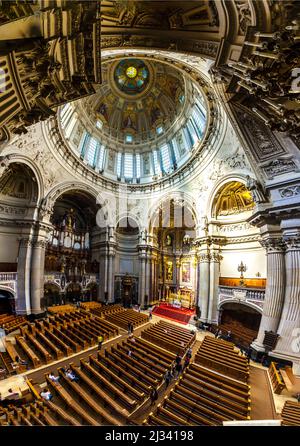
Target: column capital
point(41, 243)
point(292, 242)
point(204, 257)
point(273, 244)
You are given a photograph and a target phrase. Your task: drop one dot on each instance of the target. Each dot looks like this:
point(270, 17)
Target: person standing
point(168, 378)
point(178, 368)
point(100, 340)
point(186, 362)
point(189, 353)
point(153, 395)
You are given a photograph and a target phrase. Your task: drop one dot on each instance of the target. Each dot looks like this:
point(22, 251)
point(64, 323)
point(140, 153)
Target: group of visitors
point(173, 372)
point(220, 335)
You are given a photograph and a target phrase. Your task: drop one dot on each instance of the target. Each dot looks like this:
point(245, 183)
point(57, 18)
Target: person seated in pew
point(219, 334)
point(71, 375)
point(228, 337)
point(20, 361)
point(129, 353)
point(46, 394)
point(131, 337)
point(53, 377)
point(2, 373)
point(297, 396)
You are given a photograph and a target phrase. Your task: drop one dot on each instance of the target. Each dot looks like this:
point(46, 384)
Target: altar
point(184, 298)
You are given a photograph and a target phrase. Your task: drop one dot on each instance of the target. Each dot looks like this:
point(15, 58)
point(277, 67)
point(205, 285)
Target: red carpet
point(181, 315)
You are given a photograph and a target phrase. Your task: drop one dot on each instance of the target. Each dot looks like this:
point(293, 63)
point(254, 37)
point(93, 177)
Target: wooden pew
point(56, 351)
point(66, 343)
point(12, 352)
point(132, 379)
point(70, 402)
point(140, 366)
point(126, 365)
point(127, 388)
point(28, 351)
point(38, 346)
point(276, 379)
point(84, 396)
point(105, 398)
point(59, 413)
point(237, 387)
point(113, 390)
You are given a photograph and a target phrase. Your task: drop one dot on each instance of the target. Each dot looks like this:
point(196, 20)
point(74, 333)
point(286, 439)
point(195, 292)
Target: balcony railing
point(246, 293)
point(8, 277)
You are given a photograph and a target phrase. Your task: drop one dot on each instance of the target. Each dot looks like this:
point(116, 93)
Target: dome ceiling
point(136, 101)
point(143, 122)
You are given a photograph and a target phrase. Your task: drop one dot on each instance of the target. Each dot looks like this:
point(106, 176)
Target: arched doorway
point(172, 231)
point(7, 302)
point(52, 294)
point(242, 320)
point(91, 291)
point(73, 292)
point(126, 282)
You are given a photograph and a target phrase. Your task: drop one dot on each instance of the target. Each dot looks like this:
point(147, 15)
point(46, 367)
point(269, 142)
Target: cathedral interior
point(149, 201)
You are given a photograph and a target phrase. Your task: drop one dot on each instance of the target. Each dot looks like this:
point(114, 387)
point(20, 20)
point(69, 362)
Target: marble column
point(37, 275)
point(142, 277)
point(275, 290)
point(214, 274)
point(111, 274)
point(204, 271)
point(148, 275)
point(288, 344)
point(197, 281)
point(177, 272)
point(23, 304)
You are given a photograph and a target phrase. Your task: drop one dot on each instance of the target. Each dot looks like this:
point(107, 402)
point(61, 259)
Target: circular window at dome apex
point(131, 76)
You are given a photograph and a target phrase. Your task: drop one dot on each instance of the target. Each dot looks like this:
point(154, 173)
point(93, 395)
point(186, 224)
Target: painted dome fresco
point(139, 124)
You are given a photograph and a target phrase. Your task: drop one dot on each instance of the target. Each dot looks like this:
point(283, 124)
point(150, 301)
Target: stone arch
point(178, 196)
point(7, 299)
point(247, 304)
point(16, 158)
point(219, 186)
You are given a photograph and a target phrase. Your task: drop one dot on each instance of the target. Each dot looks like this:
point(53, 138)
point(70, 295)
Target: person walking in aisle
point(168, 378)
point(153, 395)
point(100, 340)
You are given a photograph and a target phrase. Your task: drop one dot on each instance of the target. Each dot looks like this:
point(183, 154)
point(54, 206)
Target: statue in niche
point(256, 190)
point(169, 271)
point(69, 222)
point(169, 240)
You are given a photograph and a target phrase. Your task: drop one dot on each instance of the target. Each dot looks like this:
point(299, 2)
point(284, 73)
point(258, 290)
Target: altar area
point(184, 298)
point(174, 311)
